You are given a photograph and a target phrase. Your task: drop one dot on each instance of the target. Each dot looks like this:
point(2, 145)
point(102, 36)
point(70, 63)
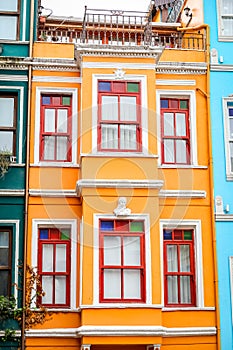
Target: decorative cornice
point(52, 79)
point(52, 193)
point(181, 68)
point(170, 82)
point(224, 217)
point(221, 67)
point(120, 331)
point(182, 194)
point(12, 193)
point(13, 77)
point(118, 65)
point(115, 183)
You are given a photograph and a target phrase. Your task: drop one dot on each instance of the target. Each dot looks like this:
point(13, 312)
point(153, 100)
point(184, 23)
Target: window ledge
point(122, 306)
point(18, 42)
point(63, 310)
point(191, 308)
point(120, 155)
point(175, 166)
point(55, 165)
point(225, 38)
point(229, 177)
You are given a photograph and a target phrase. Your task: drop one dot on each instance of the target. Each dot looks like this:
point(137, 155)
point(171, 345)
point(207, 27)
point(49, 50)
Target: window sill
point(225, 38)
point(175, 166)
point(188, 308)
point(229, 177)
point(55, 165)
point(121, 306)
point(16, 41)
point(120, 155)
point(63, 310)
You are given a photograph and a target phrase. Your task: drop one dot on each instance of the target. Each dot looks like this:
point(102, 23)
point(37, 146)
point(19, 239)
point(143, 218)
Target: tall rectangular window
point(122, 261)
point(56, 128)
point(225, 8)
point(179, 267)
point(175, 131)
point(119, 116)
point(8, 118)
point(5, 261)
point(229, 135)
point(9, 19)
point(54, 259)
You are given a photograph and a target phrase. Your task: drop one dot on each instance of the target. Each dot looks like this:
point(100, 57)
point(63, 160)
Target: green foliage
point(4, 162)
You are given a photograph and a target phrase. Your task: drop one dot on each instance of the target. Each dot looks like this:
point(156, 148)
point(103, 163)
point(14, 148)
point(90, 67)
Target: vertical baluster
point(111, 29)
point(129, 32)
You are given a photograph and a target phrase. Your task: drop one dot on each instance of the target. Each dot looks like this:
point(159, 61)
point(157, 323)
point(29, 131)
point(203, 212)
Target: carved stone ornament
point(219, 205)
point(121, 209)
point(214, 56)
point(119, 73)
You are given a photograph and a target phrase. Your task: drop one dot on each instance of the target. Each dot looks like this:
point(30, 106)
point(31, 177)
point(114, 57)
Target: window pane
point(60, 258)
point(227, 6)
point(65, 234)
point(164, 103)
point(6, 141)
point(104, 86)
point(128, 108)
point(168, 124)
point(128, 139)
point(180, 124)
point(231, 155)
point(181, 153)
point(118, 86)
point(183, 104)
point(46, 100)
point(106, 225)
point(44, 234)
point(109, 108)
point(131, 251)
point(4, 278)
point(188, 235)
point(49, 147)
point(8, 27)
point(49, 120)
point(47, 258)
point(112, 250)
point(169, 151)
point(132, 285)
point(109, 136)
point(227, 26)
point(4, 239)
point(136, 226)
point(4, 256)
point(172, 291)
point(60, 290)
point(231, 128)
point(174, 104)
point(184, 258)
point(112, 284)
point(7, 112)
point(132, 87)
point(66, 100)
point(122, 225)
point(62, 148)
point(185, 290)
point(167, 234)
point(62, 115)
point(47, 286)
point(172, 265)
point(9, 5)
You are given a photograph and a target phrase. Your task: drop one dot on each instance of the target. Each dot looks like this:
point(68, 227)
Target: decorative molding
point(170, 82)
point(12, 193)
point(17, 333)
point(115, 183)
point(224, 217)
point(52, 333)
point(13, 77)
point(219, 205)
point(108, 154)
point(181, 68)
point(57, 79)
point(52, 193)
point(119, 73)
point(182, 194)
point(221, 67)
point(118, 66)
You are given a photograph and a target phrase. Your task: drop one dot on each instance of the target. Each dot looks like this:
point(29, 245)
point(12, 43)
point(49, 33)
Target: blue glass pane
point(230, 112)
point(230, 104)
point(167, 234)
point(46, 100)
point(44, 234)
point(107, 225)
point(104, 86)
point(164, 103)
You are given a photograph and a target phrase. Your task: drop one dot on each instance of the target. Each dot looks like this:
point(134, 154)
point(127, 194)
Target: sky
point(75, 8)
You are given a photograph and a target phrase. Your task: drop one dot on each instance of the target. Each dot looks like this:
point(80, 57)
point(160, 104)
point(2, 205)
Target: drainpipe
point(31, 39)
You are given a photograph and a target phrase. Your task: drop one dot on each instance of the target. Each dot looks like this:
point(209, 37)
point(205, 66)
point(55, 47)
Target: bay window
point(5, 261)
point(122, 260)
point(9, 19)
point(119, 114)
point(8, 110)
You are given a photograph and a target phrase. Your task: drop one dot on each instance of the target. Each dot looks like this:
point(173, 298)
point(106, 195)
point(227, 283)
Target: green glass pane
point(188, 235)
point(132, 87)
point(136, 226)
point(65, 234)
point(183, 104)
point(66, 101)
point(230, 104)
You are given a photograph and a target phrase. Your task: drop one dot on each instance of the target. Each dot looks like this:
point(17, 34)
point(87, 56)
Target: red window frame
point(56, 106)
point(7, 266)
point(119, 89)
point(120, 230)
point(54, 239)
point(177, 238)
point(171, 109)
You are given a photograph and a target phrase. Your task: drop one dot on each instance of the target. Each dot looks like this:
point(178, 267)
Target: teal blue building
point(218, 14)
point(17, 31)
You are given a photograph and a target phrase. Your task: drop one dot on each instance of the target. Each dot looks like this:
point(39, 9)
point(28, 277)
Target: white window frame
point(144, 113)
point(231, 283)
point(36, 224)
point(49, 91)
point(196, 226)
point(15, 242)
point(229, 173)
point(221, 36)
point(141, 217)
point(191, 95)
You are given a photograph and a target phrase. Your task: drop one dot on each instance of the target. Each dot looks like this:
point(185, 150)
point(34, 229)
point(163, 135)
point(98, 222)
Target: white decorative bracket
point(119, 73)
point(153, 347)
point(121, 209)
point(86, 347)
point(219, 205)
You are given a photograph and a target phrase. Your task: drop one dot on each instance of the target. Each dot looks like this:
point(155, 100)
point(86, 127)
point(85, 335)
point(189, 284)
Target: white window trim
point(36, 223)
point(229, 173)
point(196, 226)
point(19, 118)
point(143, 217)
point(192, 118)
point(144, 111)
point(60, 90)
point(231, 283)
point(15, 242)
point(221, 36)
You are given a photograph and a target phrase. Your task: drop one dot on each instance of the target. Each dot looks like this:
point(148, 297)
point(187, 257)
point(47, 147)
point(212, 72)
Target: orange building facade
point(120, 190)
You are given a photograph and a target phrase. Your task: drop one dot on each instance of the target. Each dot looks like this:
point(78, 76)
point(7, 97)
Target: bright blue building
point(218, 14)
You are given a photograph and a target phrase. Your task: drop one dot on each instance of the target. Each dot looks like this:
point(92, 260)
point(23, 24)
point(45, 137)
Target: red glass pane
point(54, 234)
point(178, 235)
point(122, 225)
point(118, 87)
point(174, 104)
point(56, 100)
